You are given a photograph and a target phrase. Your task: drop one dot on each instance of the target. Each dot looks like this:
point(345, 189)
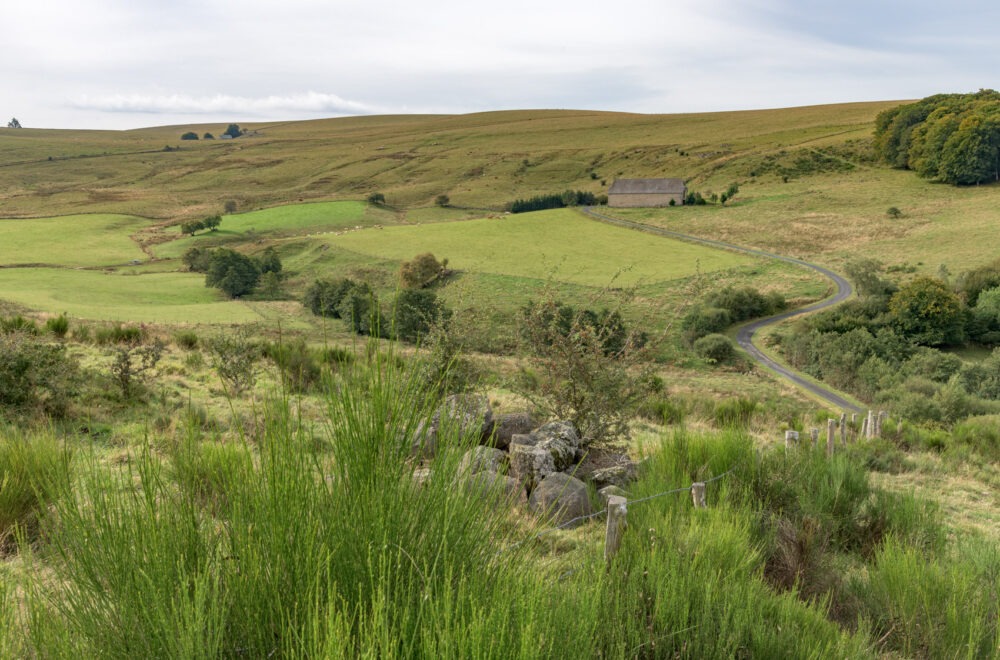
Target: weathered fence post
point(843, 429)
point(617, 511)
point(870, 425)
point(814, 434)
point(883, 417)
point(854, 426)
point(791, 438)
point(831, 438)
point(698, 494)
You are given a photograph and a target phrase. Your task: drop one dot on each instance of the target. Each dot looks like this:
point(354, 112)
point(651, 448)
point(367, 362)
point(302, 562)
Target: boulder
point(560, 498)
point(603, 467)
point(561, 440)
point(462, 414)
point(482, 459)
point(505, 427)
point(490, 484)
point(529, 465)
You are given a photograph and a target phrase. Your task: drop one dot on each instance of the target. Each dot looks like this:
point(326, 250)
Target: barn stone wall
point(645, 200)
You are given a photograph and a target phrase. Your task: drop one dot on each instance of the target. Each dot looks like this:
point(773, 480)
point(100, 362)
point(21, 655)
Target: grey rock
point(529, 465)
point(561, 440)
point(492, 485)
point(482, 459)
point(560, 498)
point(461, 414)
point(507, 426)
point(605, 468)
point(608, 491)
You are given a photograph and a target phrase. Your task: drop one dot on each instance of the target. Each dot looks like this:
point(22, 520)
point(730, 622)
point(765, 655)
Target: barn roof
point(647, 186)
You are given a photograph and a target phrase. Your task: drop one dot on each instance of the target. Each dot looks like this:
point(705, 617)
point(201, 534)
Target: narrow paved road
point(745, 335)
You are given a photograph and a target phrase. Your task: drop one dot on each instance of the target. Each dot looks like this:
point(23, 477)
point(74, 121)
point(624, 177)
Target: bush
point(376, 199)
point(442, 201)
point(300, 370)
point(133, 364)
point(18, 323)
point(701, 321)
point(415, 311)
point(324, 297)
point(35, 375)
point(234, 357)
point(190, 135)
point(716, 348)
point(197, 259)
point(360, 309)
point(234, 273)
point(422, 271)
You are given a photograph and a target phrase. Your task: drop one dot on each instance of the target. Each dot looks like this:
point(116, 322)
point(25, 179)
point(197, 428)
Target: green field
point(561, 244)
point(294, 219)
point(153, 298)
point(74, 240)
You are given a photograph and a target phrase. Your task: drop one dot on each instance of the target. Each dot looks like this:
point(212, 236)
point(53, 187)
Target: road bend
point(745, 335)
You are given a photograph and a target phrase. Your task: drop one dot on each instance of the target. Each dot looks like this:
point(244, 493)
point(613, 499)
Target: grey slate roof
point(647, 186)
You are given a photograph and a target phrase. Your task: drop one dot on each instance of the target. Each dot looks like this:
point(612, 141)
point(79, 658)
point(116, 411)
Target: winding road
point(745, 335)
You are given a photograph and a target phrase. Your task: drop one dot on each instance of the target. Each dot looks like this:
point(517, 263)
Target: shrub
point(300, 370)
point(190, 135)
point(442, 201)
point(35, 375)
point(376, 199)
point(197, 259)
point(894, 213)
point(324, 297)
point(701, 321)
point(716, 348)
point(133, 364)
point(415, 311)
point(234, 273)
point(18, 323)
point(423, 270)
point(360, 309)
point(230, 206)
point(234, 357)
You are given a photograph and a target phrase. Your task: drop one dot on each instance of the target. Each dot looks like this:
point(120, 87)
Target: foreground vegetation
point(298, 539)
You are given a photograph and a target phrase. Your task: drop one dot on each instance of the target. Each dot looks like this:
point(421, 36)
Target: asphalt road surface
point(745, 335)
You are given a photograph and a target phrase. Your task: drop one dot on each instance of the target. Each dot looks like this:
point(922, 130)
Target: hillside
point(479, 160)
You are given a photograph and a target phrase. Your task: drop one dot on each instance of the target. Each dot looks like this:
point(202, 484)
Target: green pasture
point(293, 219)
point(562, 245)
point(153, 298)
point(73, 240)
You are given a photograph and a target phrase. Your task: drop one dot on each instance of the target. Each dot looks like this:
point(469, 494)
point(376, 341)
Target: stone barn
point(646, 192)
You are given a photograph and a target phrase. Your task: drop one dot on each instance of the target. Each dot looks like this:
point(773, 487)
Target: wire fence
point(603, 512)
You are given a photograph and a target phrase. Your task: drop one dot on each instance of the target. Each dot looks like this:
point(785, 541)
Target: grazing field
point(561, 244)
point(74, 240)
point(152, 298)
point(294, 219)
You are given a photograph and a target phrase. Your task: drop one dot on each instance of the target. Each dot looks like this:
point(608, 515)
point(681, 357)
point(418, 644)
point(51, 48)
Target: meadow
point(79, 241)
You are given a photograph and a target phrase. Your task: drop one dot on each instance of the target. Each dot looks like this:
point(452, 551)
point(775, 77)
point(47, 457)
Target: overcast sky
point(132, 63)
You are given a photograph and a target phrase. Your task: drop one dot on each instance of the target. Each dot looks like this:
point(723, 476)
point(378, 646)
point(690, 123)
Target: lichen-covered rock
point(560, 498)
point(529, 465)
point(505, 427)
point(482, 459)
point(461, 414)
point(561, 440)
point(609, 491)
point(606, 468)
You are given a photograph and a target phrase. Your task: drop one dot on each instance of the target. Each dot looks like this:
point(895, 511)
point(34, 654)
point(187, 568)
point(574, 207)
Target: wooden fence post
point(854, 427)
point(843, 429)
point(617, 511)
point(698, 494)
point(870, 425)
point(791, 438)
point(814, 434)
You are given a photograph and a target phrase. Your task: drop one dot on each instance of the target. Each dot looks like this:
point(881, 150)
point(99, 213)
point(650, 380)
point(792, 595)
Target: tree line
point(953, 138)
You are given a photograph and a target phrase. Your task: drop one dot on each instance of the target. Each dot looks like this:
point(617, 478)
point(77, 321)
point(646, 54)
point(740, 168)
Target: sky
point(120, 64)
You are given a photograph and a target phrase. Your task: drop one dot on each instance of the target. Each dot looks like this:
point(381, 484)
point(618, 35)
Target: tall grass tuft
point(34, 470)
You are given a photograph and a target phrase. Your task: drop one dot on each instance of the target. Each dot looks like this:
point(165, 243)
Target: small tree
point(197, 259)
point(132, 364)
point(208, 136)
point(269, 261)
point(234, 273)
point(421, 271)
point(415, 312)
point(192, 227)
point(442, 200)
point(190, 135)
point(13, 123)
point(233, 131)
point(234, 357)
point(376, 199)
point(211, 223)
point(230, 206)
point(323, 297)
